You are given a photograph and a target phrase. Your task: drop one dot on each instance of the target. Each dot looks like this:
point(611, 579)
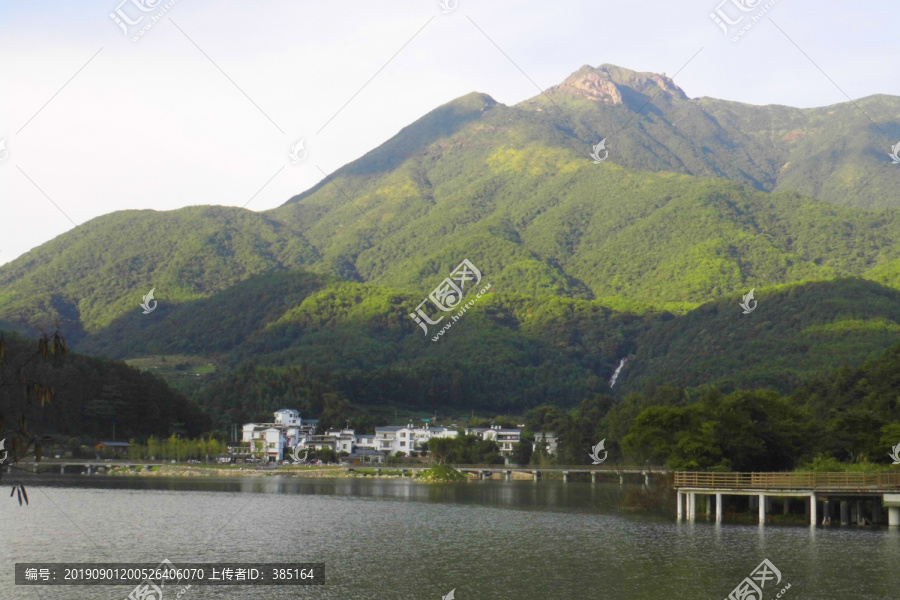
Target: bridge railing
point(884, 480)
point(596, 468)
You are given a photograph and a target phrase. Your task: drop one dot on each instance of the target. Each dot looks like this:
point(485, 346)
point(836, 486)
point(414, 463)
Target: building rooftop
point(389, 428)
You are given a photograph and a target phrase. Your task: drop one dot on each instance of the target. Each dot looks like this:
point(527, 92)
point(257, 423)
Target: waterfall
point(615, 376)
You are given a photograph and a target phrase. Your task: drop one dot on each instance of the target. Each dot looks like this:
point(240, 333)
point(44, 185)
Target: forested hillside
point(643, 256)
point(847, 419)
point(90, 396)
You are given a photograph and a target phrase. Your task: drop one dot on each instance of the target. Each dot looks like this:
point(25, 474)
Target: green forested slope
point(696, 204)
point(91, 396)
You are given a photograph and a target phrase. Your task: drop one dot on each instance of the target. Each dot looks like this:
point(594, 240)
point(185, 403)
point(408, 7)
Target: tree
point(326, 455)
point(521, 454)
point(27, 376)
point(440, 450)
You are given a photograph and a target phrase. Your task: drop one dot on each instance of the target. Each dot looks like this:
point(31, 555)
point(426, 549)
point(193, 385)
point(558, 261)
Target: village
point(290, 437)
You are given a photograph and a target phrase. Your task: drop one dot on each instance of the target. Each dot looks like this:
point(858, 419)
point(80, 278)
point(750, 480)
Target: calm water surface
point(389, 539)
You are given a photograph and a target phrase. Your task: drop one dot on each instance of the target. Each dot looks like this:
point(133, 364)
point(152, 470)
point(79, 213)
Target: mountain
point(699, 201)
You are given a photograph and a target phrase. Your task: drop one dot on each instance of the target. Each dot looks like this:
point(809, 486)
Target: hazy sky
point(204, 108)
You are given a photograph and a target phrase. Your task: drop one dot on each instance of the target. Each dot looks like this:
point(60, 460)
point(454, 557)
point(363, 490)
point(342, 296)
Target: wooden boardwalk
point(866, 493)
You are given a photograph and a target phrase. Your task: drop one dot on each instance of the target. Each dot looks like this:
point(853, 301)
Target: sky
point(206, 105)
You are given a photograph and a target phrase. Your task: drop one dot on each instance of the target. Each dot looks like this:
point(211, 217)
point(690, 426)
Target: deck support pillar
point(893, 516)
point(565, 476)
point(646, 480)
point(718, 508)
point(594, 478)
point(762, 508)
point(787, 505)
point(692, 506)
point(621, 480)
point(860, 512)
point(811, 509)
point(679, 510)
point(508, 475)
point(62, 469)
point(709, 506)
point(535, 474)
point(845, 513)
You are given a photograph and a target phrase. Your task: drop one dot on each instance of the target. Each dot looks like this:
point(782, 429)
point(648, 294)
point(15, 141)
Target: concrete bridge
point(487, 471)
point(865, 493)
point(80, 466)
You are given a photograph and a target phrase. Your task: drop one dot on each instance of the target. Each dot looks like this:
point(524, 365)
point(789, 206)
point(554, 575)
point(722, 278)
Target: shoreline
point(314, 472)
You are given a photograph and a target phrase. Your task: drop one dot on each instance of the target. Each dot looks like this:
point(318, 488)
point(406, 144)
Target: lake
point(392, 538)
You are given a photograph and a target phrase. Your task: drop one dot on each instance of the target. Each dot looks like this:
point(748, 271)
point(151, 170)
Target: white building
point(548, 439)
point(271, 439)
point(407, 440)
point(505, 438)
point(338, 440)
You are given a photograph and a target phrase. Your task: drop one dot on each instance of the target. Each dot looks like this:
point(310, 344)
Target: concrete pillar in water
point(594, 479)
point(811, 508)
point(718, 508)
point(709, 506)
point(762, 508)
point(621, 479)
point(508, 475)
point(565, 476)
point(893, 516)
point(62, 469)
point(679, 510)
point(646, 480)
point(860, 512)
point(89, 470)
point(787, 505)
point(535, 473)
point(876, 510)
point(845, 512)
point(692, 506)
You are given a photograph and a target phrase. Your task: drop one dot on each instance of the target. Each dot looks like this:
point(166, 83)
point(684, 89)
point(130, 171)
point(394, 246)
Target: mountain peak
point(603, 83)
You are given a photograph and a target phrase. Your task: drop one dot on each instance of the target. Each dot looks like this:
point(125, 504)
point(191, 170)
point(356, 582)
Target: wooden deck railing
point(806, 481)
